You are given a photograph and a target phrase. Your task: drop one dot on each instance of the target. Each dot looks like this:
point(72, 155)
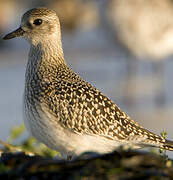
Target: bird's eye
point(38, 22)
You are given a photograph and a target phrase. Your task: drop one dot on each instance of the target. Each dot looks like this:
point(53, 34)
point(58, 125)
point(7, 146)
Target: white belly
point(46, 128)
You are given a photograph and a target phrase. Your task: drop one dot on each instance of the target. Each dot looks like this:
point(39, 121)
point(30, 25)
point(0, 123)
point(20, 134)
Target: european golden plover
point(61, 109)
point(145, 28)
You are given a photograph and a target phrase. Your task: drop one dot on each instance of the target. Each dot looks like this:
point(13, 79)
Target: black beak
point(17, 33)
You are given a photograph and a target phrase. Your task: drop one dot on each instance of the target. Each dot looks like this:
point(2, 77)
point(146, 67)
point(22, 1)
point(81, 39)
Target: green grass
point(29, 145)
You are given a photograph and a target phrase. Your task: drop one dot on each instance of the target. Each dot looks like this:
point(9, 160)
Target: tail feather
point(158, 141)
point(167, 145)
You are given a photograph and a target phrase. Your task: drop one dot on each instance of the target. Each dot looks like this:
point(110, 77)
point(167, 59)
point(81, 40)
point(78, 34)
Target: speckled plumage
point(67, 113)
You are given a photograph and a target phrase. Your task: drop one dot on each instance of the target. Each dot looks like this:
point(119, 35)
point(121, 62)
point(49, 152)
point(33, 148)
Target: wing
point(84, 109)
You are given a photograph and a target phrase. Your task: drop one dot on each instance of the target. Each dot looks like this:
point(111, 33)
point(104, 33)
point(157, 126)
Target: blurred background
point(123, 47)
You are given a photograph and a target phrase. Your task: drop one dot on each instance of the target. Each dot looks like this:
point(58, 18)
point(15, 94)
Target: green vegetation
point(29, 145)
point(162, 151)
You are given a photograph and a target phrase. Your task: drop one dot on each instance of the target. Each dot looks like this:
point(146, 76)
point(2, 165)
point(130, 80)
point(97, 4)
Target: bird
point(143, 28)
point(144, 32)
point(60, 108)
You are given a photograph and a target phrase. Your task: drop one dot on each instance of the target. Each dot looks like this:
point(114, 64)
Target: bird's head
point(36, 25)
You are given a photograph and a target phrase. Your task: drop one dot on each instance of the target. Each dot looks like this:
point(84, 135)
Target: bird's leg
point(130, 85)
point(159, 76)
point(69, 157)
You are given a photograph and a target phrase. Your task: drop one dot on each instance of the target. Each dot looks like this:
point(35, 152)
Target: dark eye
point(37, 22)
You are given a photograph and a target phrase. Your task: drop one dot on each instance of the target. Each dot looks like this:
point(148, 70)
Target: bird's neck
point(45, 57)
point(49, 50)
